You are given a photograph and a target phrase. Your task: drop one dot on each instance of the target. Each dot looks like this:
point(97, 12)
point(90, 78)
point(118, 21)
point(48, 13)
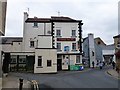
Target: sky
point(100, 17)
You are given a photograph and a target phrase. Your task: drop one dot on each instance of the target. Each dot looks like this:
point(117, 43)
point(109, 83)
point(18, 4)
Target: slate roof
point(108, 47)
point(53, 18)
point(10, 40)
point(117, 36)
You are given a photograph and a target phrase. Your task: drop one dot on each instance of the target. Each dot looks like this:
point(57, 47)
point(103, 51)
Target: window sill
point(58, 36)
point(74, 36)
point(49, 66)
point(31, 47)
point(35, 26)
point(73, 50)
point(39, 67)
point(59, 50)
point(77, 63)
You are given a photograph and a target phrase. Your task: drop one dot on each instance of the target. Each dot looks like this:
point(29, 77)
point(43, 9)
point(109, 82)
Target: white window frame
point(32, 45)
point(35, 24)
point(58, 49)
point(40, 58)
point(58, 34)
point(74, 49)
point(73, 34)
point(77, 58)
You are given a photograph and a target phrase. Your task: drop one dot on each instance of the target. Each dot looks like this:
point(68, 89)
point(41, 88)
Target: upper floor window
point(73, 46)
point(58, 46)
point(73, 33)
point(58, 32)
point(32, 44)
point(35, 24)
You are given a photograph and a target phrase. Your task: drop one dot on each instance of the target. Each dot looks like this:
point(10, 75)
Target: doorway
point(59, 64)
point(6, 61)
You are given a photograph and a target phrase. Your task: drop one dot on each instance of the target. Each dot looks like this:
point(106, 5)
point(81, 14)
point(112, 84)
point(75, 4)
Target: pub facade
point(47, 46)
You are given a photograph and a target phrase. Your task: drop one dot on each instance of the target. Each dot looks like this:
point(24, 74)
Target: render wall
point(31, 34)
point(47, 54)
point(44, 42)
point(15, 47)
point(66, 30)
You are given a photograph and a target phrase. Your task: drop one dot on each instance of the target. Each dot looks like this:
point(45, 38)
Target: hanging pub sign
point(66, 39)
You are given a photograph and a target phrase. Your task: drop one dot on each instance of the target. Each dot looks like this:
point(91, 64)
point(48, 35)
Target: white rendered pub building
point(48, 45)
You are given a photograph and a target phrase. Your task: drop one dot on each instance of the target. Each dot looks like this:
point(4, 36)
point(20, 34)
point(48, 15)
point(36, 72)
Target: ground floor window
point(22, 59)
point(78, 59)
point(39, 60)
point(13, 59)
point(73, 46)
point(49, 63)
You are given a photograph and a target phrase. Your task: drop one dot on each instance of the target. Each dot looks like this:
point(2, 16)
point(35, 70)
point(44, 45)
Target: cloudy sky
point(99, 16)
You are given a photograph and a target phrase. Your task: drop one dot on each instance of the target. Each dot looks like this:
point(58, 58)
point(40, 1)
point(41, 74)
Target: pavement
point(113, 73)
point(13, 82)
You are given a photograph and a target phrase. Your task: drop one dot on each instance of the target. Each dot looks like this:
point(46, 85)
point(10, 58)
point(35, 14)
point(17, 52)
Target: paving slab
point(13, 82)
point(113, 73)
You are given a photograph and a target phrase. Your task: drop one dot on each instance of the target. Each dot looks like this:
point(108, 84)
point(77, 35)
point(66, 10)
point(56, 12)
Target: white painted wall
point(44, 41)
point(108, 52)
point(31, 33)
point(47, 54)
point(66, 32)
point(15, 47)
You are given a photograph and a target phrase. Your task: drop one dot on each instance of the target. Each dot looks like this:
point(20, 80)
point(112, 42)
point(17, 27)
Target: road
point(94, 78)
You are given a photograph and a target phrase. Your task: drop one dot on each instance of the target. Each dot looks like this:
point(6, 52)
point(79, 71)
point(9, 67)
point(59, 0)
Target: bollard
point(21, 84)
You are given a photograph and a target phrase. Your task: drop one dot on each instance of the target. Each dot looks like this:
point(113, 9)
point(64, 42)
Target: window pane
point(77, 59)
point(39, 60)
point(31, 43)
point(49, 63)
point(22, 60)
point(35, 24)
point(73, 32)
point(58, 33)
point(73, 46)
point(58, 46)
point(13, 60)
